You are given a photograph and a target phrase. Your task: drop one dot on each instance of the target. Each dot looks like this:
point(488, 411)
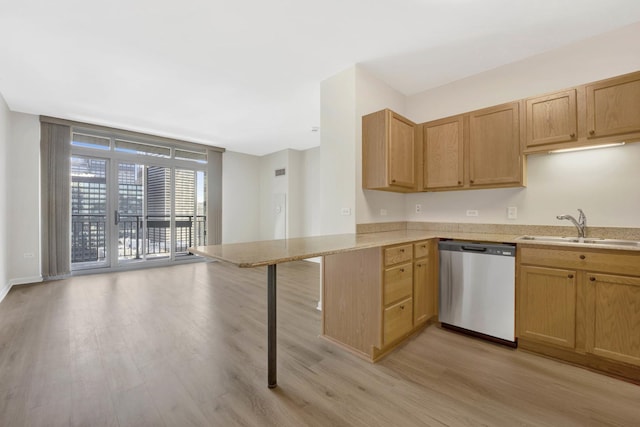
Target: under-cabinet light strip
point(589, 147)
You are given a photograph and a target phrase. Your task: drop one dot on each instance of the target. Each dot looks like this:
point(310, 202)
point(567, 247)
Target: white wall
point(272, 223)
point(311, 206)
point(338, 152)
point(24, 198)
point(602, 182)
point(4, 189)
point(373, 95)
point(240, 197)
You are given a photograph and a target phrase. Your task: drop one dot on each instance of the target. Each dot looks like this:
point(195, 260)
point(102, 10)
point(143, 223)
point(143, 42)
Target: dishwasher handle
point(474, 248)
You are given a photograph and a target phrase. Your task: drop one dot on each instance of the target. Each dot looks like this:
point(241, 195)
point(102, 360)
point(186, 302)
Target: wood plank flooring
point(186, 346)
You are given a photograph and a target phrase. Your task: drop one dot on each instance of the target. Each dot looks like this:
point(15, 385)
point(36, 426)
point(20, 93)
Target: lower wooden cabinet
point(574, 304)
point(548, 305)
point(613, 317)
point(398, 320)
point(375, 298)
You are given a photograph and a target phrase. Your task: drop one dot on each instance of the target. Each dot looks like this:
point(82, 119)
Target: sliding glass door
point(136, 205)
point(89, 212)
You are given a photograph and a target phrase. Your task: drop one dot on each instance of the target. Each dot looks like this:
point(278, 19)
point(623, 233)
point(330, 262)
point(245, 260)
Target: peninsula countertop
point(270, 252)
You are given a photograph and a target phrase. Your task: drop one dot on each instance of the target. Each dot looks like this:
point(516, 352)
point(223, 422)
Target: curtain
point(55, 163)
point(214, 197)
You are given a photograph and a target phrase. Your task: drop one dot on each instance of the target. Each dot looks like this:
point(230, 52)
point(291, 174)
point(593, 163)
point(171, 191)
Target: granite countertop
point(267, 252)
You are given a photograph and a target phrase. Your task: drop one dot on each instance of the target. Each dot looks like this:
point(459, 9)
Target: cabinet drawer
point(421, 249)
point(398, 254)
point(627, 263)
point(398, 283)
point(398, 320)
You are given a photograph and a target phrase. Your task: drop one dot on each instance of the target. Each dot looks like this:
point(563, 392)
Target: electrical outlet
point(472, 212)
point(418, 208)
point(383, 212)
point(512, 212)
point(345, 211)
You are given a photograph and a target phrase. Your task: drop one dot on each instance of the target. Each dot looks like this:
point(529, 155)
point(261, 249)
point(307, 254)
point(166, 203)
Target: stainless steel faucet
point(581, 223)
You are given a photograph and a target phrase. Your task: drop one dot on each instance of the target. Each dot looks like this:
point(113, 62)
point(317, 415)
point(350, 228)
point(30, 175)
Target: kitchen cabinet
point(443, 153)
point(425, 281)
point(495, 157)
point(613, 106)
point(481, 149)
point(582, 306)
point(389, 152)
point(613, 317)
point(547, 306)
point(375, 298)
point(552, 119)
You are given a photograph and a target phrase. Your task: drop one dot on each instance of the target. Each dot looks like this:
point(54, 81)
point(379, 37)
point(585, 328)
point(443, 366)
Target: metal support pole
point(272, 380)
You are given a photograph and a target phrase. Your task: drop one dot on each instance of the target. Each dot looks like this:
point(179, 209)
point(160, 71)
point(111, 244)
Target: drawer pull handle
point(592, 132)
point(402, 307)
point(402, 270)
point(402, 250)
point(570, 276)
point(572, 135)
point(418, 265)
point(582, 257)
point(593, 279)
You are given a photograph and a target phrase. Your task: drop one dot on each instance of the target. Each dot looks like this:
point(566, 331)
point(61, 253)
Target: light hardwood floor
point(186, 345)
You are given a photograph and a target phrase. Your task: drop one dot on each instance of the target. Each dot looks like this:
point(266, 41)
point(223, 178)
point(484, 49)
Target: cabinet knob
point(393, 181)
point(593, 279)
point(572, 135)
point(418, 265)
point(460, 182)
point(471, 181)
point(582, 257)
point(592, 132)
point(402, 307)
point(570, 276)
point(402, 250)
point(402, 270)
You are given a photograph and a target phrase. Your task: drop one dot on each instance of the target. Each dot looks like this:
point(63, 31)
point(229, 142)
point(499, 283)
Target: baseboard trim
point(25, 280)
point(4, 291)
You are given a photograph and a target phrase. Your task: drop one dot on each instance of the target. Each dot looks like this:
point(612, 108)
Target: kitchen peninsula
point(384, 245)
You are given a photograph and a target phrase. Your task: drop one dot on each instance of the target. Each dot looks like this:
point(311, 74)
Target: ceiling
point(245, 74)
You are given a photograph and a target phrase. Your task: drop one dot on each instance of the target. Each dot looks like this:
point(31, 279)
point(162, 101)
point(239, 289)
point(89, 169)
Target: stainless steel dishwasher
point(477, 289)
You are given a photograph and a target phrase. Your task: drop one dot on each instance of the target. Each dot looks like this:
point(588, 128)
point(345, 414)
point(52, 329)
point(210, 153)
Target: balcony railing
point(88, 236)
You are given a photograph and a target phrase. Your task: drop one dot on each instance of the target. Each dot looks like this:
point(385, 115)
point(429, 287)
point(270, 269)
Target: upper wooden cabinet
point(592, 114)
point(552, 119)
point(443, 153)
point(613, 106)
point(389, 152)
point(494, 146)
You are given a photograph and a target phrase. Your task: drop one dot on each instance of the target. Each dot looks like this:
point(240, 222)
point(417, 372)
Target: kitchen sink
point(594, 241)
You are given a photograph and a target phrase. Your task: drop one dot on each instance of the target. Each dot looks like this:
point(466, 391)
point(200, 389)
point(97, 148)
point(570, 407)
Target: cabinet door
point(423, 291)
point(613, 106)
point(547, 305)
point(613, 317)
point(443, 153)
point(494, 146)
point(552, 119)
point(402, 150)
point(398, 320)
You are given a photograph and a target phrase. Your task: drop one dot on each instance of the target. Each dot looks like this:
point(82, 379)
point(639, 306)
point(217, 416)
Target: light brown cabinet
point(547, 305)
point(613, 317)
point(613, 106)
point(443, 153)
point(581, 305)
point(425, 281)
point(374, 298)
point(389, 152)
point(494, 146)
point(481, 149)
point(596, 113)
point(552, 119)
